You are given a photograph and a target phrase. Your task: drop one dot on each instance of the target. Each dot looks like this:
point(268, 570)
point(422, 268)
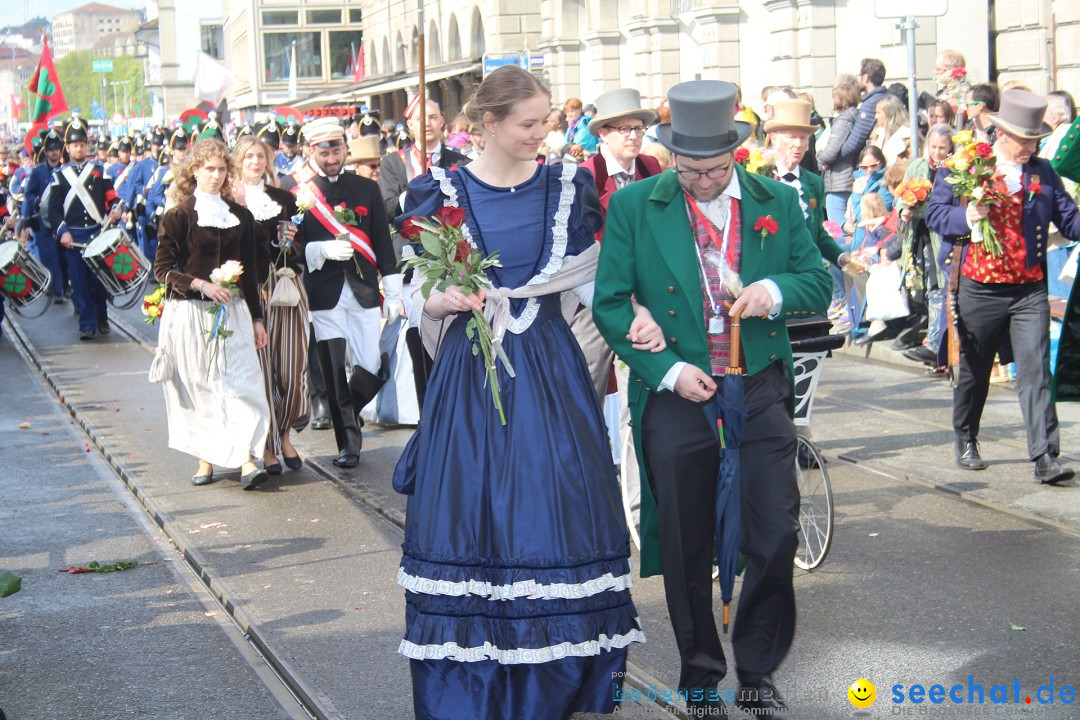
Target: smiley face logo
point(862, 693)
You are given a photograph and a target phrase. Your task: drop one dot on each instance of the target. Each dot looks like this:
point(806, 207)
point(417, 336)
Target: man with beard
point(683, 244)
point(345, 252)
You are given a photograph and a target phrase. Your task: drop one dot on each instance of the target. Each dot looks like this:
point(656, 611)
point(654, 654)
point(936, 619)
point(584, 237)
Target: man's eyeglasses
point(625, 130)
point(714, 174)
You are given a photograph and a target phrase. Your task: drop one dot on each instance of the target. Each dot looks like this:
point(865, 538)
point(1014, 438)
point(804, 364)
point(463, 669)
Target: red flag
point(45, 87)
point(358, 65)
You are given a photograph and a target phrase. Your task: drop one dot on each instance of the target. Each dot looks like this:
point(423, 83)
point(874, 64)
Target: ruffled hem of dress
point(509, 583)
point(520, 642)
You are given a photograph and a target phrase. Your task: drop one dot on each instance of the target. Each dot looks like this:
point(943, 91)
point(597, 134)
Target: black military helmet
point(291, 135)
point(75, 129)
point(269, 133)
point(211, 128)
point(245, 130)
point(124, 143)
point(52, 140)
point(158, 137)
point(179, 139)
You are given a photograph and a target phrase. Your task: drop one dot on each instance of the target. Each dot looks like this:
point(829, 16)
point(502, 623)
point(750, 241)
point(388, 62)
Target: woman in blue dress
point(516, 553)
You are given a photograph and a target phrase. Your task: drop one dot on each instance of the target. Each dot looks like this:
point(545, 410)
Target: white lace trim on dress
point(213, 211)
point(522, 589)
point(520, 656)
point(559, 234)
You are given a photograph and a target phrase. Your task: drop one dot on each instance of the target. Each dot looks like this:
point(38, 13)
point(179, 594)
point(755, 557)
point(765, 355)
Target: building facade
point(582, 48)
point(175, 33)
point(85, 26)
point(261, 37)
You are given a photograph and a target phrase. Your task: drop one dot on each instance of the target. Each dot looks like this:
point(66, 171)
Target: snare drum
point(22, 278)
point(117, 262)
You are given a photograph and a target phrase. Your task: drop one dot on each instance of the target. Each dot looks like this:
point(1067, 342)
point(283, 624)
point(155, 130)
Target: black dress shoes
point(253, 479)
point(761, 699)
point(921, 354)
point(967, 455)
point(293, 463)
point(1050, 472)
point(272, 468)
point(347, 459)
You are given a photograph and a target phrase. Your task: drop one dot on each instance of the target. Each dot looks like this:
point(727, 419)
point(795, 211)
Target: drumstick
point(81, 246)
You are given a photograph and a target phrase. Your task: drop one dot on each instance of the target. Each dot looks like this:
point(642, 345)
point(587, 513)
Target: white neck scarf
point(213, 211)
point(259, 203)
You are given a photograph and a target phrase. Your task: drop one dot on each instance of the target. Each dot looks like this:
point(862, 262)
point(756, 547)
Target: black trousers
point(682, 459)
point(987, 312)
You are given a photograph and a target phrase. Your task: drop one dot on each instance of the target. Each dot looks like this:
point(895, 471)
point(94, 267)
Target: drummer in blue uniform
point(79, 198)
point(35, 210)
point(134, 191)
point(123, 159)
point(172, 154)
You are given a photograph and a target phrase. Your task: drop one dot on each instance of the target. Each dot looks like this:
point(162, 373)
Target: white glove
point(337, 249)
point(392, 303)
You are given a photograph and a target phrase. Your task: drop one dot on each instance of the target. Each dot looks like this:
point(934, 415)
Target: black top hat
point(703, 121)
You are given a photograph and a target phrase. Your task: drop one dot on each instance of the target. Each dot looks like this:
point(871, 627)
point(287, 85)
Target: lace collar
point(259, 203)
point(213, 211)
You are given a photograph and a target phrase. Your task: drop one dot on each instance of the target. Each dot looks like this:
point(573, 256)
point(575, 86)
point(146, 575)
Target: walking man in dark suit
point(673, 243)
point(1007, 291)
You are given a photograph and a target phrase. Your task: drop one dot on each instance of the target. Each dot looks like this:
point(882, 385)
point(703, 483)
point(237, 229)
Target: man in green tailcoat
point(681, 244)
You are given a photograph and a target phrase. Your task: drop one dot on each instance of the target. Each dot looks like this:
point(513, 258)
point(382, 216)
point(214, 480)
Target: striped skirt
point(284, 364)
point(215, 403)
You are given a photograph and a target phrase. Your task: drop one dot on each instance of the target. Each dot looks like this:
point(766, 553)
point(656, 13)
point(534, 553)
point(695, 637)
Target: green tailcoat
point(649, 255)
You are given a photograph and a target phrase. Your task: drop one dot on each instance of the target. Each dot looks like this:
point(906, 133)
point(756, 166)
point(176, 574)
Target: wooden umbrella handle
point(736, 340)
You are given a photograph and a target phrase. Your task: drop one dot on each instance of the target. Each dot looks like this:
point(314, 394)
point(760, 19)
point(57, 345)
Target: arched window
point(387, 63)
point(400, 66)
point(453, 41)
point(414, 49)
point(433, 48)
point(477, 45)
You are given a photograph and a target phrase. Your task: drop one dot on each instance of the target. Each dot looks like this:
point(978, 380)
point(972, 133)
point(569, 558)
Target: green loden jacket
point(649, 255)
point(813, 194)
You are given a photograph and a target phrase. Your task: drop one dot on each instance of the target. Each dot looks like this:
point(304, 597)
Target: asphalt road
point(932, 574)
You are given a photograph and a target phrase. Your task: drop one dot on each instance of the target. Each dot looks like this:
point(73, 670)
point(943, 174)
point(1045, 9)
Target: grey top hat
point(1021, 114)
point(703, 121)
point(621, 103)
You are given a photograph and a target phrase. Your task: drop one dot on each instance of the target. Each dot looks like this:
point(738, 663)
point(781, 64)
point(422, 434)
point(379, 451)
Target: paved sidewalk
point(134, 644)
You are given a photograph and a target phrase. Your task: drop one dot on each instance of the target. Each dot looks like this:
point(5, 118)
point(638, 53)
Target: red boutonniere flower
point(453, 167)
point(1034, 187)
point(360, 211)
point(96, 174)
point(450, 216)
point(812, 203)
point(766, 226)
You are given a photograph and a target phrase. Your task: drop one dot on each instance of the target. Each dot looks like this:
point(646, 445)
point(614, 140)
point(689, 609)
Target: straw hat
point(364, 149)
point(790, 114)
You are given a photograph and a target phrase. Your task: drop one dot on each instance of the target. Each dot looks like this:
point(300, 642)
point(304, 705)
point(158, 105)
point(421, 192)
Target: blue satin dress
point(516, 554)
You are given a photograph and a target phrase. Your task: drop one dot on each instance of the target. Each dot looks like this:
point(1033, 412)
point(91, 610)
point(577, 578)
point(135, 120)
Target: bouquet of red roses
point(448, 258)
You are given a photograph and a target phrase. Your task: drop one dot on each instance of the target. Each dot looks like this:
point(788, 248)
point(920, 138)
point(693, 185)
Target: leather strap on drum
point(78, 189)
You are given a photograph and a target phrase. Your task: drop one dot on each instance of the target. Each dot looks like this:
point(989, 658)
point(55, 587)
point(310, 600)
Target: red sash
point(359, 239)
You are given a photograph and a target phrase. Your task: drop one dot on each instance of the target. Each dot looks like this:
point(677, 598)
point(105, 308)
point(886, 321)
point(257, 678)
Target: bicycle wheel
point(815, 506)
